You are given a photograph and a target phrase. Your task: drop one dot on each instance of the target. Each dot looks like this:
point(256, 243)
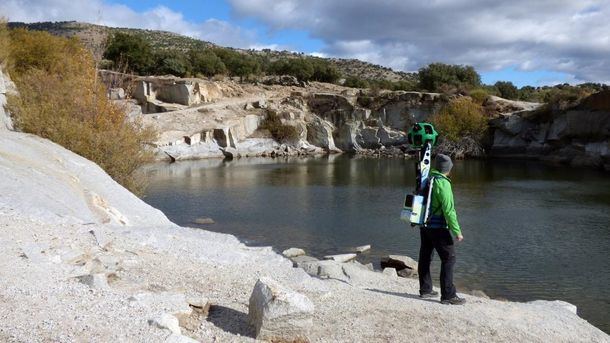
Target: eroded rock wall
point(579, 136)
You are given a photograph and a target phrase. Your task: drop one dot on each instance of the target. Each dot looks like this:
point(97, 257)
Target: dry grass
point(59, 99)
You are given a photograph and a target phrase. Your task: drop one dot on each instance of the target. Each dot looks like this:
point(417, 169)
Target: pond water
point(531, 231)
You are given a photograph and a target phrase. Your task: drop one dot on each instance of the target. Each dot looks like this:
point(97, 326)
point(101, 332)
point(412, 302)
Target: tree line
point(136, 54)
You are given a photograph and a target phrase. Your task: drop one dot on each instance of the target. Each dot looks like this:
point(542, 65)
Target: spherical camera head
point(420, 134)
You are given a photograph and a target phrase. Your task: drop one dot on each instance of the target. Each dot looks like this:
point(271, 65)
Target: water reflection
point(532, 232)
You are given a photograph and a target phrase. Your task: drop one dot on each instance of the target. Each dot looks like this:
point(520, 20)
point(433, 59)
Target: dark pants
point(441, 241)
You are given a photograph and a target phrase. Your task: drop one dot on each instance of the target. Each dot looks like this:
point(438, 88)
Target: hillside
point(94, 36)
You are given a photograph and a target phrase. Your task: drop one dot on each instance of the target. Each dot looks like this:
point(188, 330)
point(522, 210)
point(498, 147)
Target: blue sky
point(202, 10)
point(528, 42)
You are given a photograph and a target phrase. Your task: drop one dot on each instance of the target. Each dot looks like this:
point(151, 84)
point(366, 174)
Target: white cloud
point(565, 36)
point(116, 15)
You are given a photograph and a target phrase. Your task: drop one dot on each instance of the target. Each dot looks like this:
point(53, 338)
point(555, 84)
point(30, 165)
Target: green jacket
point(442, 206)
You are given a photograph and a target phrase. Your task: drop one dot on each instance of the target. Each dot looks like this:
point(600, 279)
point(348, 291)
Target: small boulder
point(331, 269)
point(307, 263)
point(407, 273)
point(200, 305)
point(279, 313)
point(390, 271)
point(166, 321)
point(204, 221)
point(293, 252)
point(341, 257)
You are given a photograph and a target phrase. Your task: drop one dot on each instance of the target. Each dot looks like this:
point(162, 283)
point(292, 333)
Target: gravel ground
point(61, 217)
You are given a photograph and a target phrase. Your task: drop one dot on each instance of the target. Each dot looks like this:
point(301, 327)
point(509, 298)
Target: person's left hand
point(460, 238)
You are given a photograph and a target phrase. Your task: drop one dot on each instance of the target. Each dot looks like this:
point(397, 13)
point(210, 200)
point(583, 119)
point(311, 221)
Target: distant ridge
point(93, 36)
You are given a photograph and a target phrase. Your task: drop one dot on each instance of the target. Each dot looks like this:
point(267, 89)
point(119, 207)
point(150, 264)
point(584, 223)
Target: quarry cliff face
point(578, 136)
point(200, 118)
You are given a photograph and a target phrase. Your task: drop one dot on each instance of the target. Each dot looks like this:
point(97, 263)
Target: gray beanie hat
point(443, 163)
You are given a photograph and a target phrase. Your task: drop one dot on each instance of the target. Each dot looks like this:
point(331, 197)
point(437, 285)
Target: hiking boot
point(430, 294)
point(454, 301)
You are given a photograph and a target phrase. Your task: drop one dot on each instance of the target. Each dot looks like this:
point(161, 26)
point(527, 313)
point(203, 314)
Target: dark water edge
point(531, 231)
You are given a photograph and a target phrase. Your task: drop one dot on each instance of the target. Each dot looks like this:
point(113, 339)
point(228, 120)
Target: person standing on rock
point(438, 234)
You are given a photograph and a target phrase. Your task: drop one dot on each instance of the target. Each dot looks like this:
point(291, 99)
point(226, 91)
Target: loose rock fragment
point(279, 313)
point(166, 321)
point(293, 252)
point(341, 258)
point(390, 271)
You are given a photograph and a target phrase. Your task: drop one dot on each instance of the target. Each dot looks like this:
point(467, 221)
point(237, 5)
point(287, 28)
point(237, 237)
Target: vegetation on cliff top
point(60, 99)
point(281, 132)
point(460, 118)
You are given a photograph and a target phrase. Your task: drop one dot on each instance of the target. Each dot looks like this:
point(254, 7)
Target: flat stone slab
point(341, 257)
point(293, 252)
point(362, 248)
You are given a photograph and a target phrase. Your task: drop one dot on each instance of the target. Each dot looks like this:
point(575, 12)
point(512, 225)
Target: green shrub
point(282, 133)
point(441, 77)
point(300, 68)
point(59, 99)
point(507, 90)
point(355, 82)
point(206, 63)
point(239, 64)
point(460, 118)
point(324, 71)
point(173, 63)
point(131, 50)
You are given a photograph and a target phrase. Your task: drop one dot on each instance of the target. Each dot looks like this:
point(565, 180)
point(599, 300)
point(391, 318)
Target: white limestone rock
point(166, 321)
point(293, 252)
point(279, 313)
point(341, 257)
point(332, 270)
point(307, 263)
point(390, 272)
